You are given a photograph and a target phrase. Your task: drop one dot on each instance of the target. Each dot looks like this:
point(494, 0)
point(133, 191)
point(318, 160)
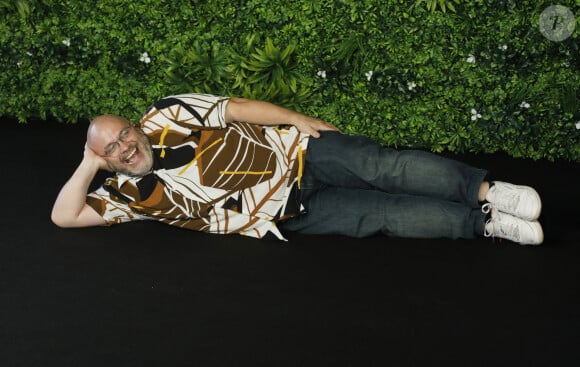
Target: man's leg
point(357, 161)
point(362, 213)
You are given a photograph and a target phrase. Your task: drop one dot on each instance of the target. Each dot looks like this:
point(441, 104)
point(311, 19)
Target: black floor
point(128, 296)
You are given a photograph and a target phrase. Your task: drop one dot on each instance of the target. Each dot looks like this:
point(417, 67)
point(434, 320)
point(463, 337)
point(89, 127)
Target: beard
point(137, 159)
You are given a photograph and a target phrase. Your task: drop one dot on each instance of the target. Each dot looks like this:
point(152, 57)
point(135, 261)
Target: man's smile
point(130, 154)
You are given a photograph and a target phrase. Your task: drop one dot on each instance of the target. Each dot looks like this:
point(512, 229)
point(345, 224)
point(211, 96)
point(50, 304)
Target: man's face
point(132, 155)
point(125, 148)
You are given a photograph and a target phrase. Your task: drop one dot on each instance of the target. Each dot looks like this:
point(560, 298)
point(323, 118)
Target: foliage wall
point(475, 76)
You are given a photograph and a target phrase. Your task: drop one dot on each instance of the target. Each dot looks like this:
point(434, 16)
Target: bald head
point(103, 129)
point(126, 151)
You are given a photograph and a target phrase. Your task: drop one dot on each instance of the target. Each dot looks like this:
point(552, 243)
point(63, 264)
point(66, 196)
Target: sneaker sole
point(540, 233)
point(539, 211)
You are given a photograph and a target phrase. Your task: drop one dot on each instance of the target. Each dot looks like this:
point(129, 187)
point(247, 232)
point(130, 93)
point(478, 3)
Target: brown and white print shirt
point(209, 175)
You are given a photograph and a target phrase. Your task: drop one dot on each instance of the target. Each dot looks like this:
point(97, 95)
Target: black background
point(146, 294)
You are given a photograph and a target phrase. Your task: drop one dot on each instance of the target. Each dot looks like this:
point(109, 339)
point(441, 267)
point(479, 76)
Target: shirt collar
point(122, 178)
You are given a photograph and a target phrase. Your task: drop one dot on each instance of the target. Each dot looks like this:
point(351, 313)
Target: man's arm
point(70, 208)
point(265, 113)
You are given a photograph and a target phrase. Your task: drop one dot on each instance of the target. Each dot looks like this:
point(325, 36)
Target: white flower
point(321, 73)
point(411, 85)
point(19, 63)
point(475, 115)
point(470, 59)
point(66, 42)
point(503, 47)
point(145, 58)
point(29, 53)
point(578, 125)
point(369, 74)
point(524, 104)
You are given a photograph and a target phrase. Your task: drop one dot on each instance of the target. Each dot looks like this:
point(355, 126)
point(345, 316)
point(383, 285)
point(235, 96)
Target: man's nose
point(123, 144)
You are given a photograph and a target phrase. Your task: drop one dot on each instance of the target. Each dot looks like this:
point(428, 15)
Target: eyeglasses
point(114, 148)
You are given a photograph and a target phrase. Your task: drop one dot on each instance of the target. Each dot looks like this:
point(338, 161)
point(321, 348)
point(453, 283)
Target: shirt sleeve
point(186, 111)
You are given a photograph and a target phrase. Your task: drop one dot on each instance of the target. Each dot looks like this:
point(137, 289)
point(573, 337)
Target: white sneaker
point(521, 201)
point(515, 229)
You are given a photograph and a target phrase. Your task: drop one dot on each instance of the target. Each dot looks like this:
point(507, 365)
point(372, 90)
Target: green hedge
point(474, 76)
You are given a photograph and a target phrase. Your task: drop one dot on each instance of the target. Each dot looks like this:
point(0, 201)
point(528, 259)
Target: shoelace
point(486, 208)
point(510, 231)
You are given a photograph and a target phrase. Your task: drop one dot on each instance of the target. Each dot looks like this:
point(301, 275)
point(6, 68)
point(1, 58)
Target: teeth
point(131, 154)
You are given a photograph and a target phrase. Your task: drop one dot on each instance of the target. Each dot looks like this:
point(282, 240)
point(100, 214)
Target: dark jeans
point(354, 186)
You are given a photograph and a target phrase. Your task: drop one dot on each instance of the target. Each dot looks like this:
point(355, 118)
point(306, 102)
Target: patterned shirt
point(209, 175)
